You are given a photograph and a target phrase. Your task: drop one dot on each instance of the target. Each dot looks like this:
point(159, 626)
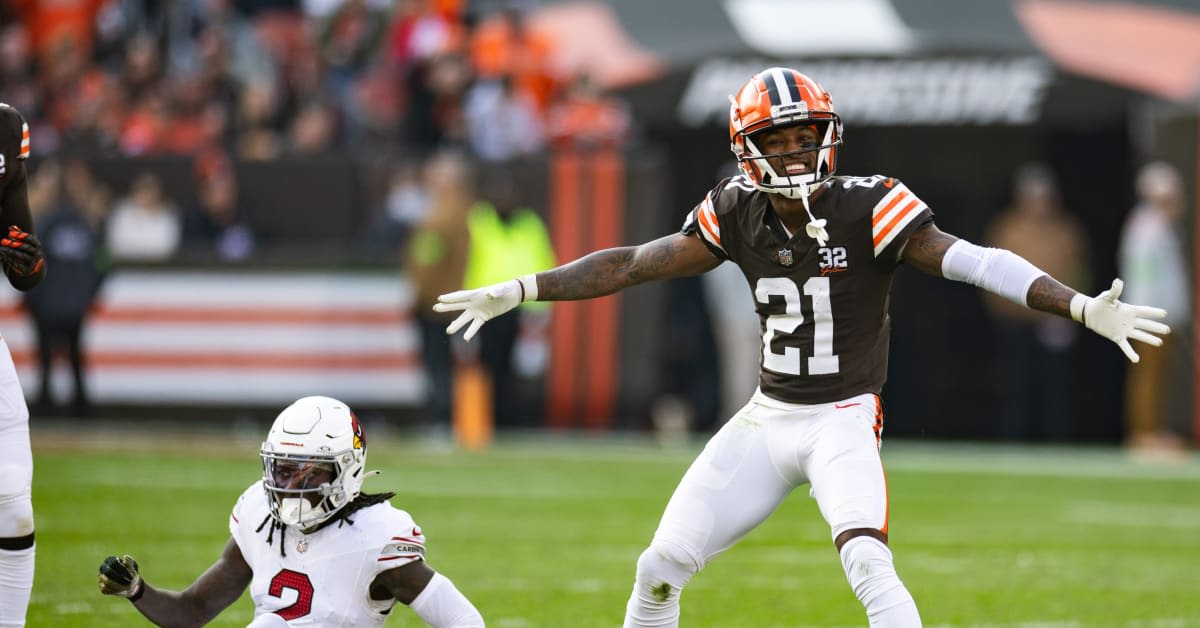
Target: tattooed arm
point(926, 250)
point(1014, 278)
point(600, 273)
point(611, 270)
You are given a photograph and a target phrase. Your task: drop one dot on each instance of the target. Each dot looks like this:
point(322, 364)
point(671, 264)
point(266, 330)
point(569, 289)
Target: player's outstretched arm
point(1011, 276)
point(20, 251)
point(595, 275)
point(211, 593)
point(431, 595)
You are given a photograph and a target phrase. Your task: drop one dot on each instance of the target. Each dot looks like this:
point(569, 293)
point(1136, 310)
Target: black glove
point(119, 576)
point(21, 252)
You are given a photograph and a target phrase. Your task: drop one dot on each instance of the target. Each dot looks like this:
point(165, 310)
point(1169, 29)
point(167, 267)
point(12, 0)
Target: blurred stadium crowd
point(316, 135)
point(228, 82)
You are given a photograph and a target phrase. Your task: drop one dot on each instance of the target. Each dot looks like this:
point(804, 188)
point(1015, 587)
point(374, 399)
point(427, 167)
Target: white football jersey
point(324, 577)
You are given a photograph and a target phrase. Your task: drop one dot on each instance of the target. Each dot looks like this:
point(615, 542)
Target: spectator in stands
point(587, 117)
point(421, 31)
point(72, 233)
point(436, 261)
point(119, 22)
point(97, 113)
point(502, 122)
point(406, 205)
point(219, 41)
point(507, 237)
point(145, 226)
point(146, 129)
point(64, 75)
point(217, 229)
point(52, 23)
point(142, 70)
point(373, 116)
point(1151, 258)
point(437, 93)
point(199, 120)
point(302, 81)
point(350, 41)
point(1035, 346)
point(257, 120)
point(313, 132)
point(506, 45)
point(18, 77)
point(426, 55)
point(225, 64)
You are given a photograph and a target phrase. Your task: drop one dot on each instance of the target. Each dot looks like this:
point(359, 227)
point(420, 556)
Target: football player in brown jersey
point(819, 251)
point(25, 266)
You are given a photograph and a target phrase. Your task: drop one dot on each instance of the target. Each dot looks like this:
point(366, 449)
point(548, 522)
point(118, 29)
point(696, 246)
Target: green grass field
point(545, 533)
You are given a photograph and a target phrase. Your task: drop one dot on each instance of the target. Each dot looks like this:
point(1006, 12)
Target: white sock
point(869, 569)
point(662, 572)
point(16, 582)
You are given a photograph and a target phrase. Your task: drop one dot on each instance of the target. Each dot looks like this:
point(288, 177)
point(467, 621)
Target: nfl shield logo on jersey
point(785, 257)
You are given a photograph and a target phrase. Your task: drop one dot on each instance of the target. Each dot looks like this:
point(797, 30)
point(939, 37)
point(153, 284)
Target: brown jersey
point(823, 310)
point(14, 149)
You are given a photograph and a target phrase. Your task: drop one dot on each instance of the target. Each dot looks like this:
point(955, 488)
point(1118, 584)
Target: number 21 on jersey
point(822, 361)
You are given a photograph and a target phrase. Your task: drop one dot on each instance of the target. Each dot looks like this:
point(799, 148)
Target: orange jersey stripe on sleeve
point(886, 205)
point(24, 141)
point(709, 226)
point(893, 212)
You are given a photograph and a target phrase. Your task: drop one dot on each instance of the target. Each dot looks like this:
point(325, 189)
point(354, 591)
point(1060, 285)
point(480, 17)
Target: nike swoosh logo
point(841, 406)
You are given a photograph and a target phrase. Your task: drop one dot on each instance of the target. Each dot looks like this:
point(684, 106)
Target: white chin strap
point(816, 226)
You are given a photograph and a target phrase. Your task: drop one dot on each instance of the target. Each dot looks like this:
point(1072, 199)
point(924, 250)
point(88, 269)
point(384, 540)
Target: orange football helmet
point(783, 97)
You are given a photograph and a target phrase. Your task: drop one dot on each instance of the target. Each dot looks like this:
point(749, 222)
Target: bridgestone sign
point(893, 92)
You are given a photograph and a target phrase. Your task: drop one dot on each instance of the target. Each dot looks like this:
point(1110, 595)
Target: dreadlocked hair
point(342, 516)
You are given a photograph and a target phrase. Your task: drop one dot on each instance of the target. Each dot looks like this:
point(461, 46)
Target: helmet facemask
point(313, 462)
point(305, 491)
point(757, 165)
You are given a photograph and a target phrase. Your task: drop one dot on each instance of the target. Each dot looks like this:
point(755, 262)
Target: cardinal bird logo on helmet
point(360, 441)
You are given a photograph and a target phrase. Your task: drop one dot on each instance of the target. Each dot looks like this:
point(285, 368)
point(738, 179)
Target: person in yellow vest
point(506, 237)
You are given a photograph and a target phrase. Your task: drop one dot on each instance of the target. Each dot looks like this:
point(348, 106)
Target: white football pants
point(16, 505)
point(745, 472)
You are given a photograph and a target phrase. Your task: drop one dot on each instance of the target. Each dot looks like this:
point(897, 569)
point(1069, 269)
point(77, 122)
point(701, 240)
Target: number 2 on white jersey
point(823, 361)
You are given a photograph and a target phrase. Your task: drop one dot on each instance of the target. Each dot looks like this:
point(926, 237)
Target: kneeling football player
point(313, 548)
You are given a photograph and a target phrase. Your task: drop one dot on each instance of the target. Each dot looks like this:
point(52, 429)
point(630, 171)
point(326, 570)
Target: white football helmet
point(313, 461)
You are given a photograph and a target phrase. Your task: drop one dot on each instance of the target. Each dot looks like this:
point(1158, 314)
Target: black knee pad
point(14, 544)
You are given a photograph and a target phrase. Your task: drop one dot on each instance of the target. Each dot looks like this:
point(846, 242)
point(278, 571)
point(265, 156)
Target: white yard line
point(1132, 515)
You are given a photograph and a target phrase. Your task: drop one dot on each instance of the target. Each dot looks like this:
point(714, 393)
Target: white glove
point(481, 305)
point(1118, 321)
